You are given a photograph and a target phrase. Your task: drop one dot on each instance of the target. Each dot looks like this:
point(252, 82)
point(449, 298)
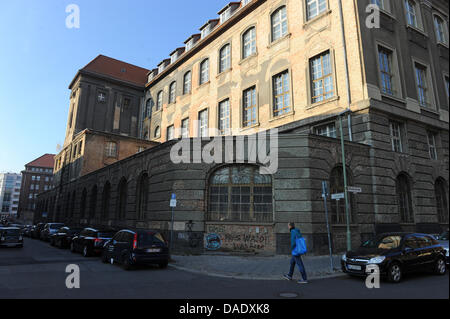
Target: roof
point(46, 160)
point(116, 69)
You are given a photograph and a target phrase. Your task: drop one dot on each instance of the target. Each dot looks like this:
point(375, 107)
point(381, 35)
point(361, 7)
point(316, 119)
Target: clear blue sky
point(39, 57)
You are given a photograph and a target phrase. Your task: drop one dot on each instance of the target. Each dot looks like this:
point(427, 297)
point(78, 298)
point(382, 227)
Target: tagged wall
point(245, 238)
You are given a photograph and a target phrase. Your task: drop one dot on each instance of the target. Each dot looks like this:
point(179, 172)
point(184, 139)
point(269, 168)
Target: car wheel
point(440, 268)
point(52, 242)
point(104, 258)
point(72, 247)
point(395, 273)
point(163, 264)
point(126, 262)
point(86, 251)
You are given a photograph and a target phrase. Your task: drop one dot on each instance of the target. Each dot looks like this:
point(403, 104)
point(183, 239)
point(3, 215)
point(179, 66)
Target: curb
point(241, 277)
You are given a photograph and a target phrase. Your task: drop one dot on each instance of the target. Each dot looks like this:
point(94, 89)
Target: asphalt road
point(38, 271)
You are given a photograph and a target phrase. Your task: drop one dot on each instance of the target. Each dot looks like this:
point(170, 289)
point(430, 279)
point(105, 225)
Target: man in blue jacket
point(295, 233)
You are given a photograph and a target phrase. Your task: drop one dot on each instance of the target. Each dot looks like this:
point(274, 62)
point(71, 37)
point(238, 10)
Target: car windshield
point(56, 226)
point(11, 232)
point(385, 242)
point(443, 236)
point(105, 235)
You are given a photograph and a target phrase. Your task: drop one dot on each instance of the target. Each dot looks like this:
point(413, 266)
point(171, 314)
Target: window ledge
point(388, 14)
point(291, 113)
point(224, 72)
point(429, 110)
point(273, 43)
point(333, 99)
point(242, 129)
point(311, 21)
point(416, 29)
point(250, 57)
point(443, 44)
point(158, 111)
point(203, 85)
point(393, 97)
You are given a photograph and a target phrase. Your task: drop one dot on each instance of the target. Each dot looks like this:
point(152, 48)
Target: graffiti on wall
point(213, 242)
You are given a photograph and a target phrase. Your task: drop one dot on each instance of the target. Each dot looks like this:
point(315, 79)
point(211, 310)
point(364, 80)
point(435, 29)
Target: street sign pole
point(347, 214)
point(325, 195)
point(173, 204)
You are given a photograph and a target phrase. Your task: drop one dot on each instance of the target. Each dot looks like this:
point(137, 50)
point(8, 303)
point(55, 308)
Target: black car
point(90, 241)
point(36, 230)
point(11, 237)
point(63, 237)
point(131, 248)
point(49, 229)
point(27, 231)
point(396, 254)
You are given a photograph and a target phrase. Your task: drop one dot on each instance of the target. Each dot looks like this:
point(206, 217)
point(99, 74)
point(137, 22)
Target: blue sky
point(39, 57)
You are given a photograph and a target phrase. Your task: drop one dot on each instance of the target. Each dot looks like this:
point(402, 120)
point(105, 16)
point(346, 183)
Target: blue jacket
point(295, 233)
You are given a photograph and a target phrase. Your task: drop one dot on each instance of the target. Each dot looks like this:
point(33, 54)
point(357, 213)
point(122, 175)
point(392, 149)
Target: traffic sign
point(353, 189)
point(337, 196)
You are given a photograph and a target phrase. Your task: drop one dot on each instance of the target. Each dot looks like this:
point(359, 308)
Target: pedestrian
point(296, 260)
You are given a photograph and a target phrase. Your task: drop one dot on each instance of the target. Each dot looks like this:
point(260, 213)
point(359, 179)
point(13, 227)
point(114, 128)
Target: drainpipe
point(347, 77)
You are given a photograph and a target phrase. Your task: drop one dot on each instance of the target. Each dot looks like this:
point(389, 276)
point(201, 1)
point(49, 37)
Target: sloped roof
point(46, 160)
point(117, 69)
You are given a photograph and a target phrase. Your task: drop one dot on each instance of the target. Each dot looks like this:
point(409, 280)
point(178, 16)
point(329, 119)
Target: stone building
point(302, 67)
point(36, 178)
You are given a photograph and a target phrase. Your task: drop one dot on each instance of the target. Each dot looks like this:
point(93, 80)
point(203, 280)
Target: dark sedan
point(63, 237)
point(36, 230)
point(90, 241)
point(396, 254)
point(11, 237)
point(49, 229)
point(135, 247)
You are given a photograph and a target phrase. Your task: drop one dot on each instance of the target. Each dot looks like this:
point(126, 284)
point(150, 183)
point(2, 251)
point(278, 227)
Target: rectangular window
point(249, 107)
point(328, 130)
point(111, 149)
point(203, 123)
point(396, 137)
point(204, 72)
point(322, 78)
point(432, 145)
point(447, 88)
point(170, 133)
point(315, 7)
point(185, 128)
point(224, 117)
point(385, 61)
point(421, 80)
point(440, 29)
point(38, 178)
point(411, 16)
point(187, 83)
point(281, 94)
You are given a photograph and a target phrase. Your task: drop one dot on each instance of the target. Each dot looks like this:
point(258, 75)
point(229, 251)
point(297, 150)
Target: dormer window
point(205, 31)
point(173, 57)
point(161, 68)
point(224, 16)
point(101, 97)
point(189, 44)
point(151, 76)
point(245, 2)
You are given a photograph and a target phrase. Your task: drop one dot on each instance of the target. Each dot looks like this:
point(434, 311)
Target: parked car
point(10, 237)
point(131, 248)
point(36, 231)
point(27, 230)
point(443, 240)
point(396, 254)
point(49, 229)
point(90, 241)
point(63, 237)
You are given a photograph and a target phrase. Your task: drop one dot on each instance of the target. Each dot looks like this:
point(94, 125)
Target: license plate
point(353, 267)
point(153, 250)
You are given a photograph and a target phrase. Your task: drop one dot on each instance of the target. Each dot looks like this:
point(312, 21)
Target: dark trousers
point(297, 260)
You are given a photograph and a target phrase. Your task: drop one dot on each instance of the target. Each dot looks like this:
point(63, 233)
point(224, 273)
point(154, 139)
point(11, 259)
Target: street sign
point(353, 189)
point(173, 200)
point(338, 196)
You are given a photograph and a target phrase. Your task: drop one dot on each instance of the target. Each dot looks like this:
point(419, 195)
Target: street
point(38, 271)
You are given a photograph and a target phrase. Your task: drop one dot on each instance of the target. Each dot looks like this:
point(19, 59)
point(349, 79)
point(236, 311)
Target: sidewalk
point(255, 268)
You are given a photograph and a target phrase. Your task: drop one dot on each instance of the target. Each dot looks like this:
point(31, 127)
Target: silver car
point(443, 240)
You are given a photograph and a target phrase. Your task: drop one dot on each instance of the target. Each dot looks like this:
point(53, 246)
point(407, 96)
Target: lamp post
point(344, 171)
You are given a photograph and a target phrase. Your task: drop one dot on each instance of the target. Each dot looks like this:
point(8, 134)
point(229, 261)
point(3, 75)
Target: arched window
point(225, 58)
point(338, 213)
point(204, 71)
point(249, 43)
point(142, 196)
point(441, 194)
point(122, 199)
point(172, 92)
point(240, 193)
point(159, 101)
point(403, 191)
point(187, 82)
point(83, 203)
point(279, 24)
point(106, 195)
point(93, 202)
point(148, 108)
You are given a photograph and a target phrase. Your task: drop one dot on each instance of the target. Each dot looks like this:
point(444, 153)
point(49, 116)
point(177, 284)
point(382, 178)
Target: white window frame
point(432, 150)
point(225, 58)
point(249, 43)
point(203, 129)
point(327, 130)
point(396, 136)
point(321, 6)
point(185, 128)
point(173, 92)
point(224, 117)
point(187, 83)
point(204, 71)
point(281, 14)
